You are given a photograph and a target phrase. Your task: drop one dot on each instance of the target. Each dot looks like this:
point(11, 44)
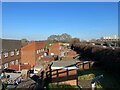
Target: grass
point(86, 77)
point(62, 86)
point(108, 81)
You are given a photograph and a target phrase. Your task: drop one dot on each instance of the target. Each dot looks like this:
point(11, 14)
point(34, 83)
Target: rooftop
point(9, 45)
point(65, 64)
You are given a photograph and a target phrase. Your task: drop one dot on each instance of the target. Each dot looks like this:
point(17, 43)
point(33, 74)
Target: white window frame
point(51, 54)
point(0, 56)
point(42, 56)
point(12, 53)
point(6, 65)
point(0, 66)
point(6, 54)
point(37, 51)
point(39, 58)
point(12, 62)
point(17, 52)
point(16, 62)
point(42, 50)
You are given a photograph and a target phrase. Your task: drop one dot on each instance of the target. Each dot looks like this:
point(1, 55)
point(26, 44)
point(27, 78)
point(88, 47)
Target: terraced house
point(16, 56)
point(32, 53)
point(10, 52)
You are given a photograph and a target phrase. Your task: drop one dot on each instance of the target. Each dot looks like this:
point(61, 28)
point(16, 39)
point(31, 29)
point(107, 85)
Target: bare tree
point(24, 41)
point(74, 40)
point(60, 38)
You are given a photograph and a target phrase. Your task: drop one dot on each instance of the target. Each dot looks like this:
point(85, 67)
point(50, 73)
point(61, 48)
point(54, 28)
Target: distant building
point(55, 49)
point(111, 38)
point(58, 48)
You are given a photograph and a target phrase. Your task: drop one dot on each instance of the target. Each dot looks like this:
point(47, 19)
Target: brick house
point(17, 57)
point(55, 49)
point(58, 49)
point(32, 53)
point(10, 53)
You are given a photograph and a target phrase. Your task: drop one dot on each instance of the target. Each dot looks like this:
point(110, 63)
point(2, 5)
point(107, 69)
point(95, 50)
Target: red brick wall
point(23, 66)
point(54, 48)
point(64, 76)
point(11, 58)
point(40, 45)
point(14, 67)
point(28, 54)
point(47, 59)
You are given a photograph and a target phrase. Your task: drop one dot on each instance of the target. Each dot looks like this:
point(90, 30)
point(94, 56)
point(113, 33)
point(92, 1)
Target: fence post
point(50, 71)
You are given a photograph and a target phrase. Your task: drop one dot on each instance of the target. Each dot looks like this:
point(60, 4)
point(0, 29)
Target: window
point(16, 62)
point(6, 65)
point(42, 50)
point(39, 58)
point(12, 62)
point(42, 56)
point(45, 54)
point(52, 54)
point(60, 48)
point(12, 53)
point(0, 56)
point(17, 52)
point(0, 66)
point(6, 54)
point(37, 51)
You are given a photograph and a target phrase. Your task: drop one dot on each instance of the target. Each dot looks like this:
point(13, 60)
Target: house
point(61, 50)
point(17, 57)
point(33, 52)
point(55, 49)
point(10, 52)
point(64, 72)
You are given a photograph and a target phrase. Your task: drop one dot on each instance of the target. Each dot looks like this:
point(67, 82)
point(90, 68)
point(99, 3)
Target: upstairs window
point(0, 56)
point(12, 53)
point(42, 50)
point(17, 52)
point(6, 65)
point(6, 54)
point(37, 51)
point(12, 62)
point(16, 62)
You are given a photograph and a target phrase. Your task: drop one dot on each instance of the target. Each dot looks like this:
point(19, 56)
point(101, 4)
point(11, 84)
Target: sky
point(37, 21)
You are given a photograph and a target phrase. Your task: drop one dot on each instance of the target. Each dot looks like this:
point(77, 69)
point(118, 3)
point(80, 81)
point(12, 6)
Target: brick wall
point(17, 67)
point(55, 48)
point(9, 58)
point(29, 52)
point(64, 76)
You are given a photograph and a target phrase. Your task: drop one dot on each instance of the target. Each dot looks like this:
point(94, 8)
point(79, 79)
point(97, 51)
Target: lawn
point(62, 87)
point(107, 82)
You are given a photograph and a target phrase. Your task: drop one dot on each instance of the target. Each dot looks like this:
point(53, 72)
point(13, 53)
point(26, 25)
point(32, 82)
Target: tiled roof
point(9, 45)
point(64, 63)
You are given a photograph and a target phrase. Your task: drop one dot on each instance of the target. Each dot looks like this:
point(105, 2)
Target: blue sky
point(37, 21)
